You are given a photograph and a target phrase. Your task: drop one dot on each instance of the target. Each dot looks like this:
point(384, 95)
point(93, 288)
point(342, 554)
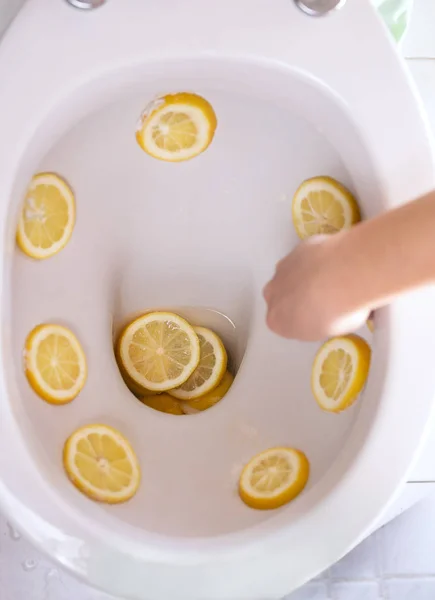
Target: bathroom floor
point(394, 563)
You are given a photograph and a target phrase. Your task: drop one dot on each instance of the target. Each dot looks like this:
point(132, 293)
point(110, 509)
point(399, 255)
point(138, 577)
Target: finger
point(281, 263)
point(267, 291)
point(284, 327)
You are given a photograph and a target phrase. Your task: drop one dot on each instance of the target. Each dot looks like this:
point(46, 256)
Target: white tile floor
point(396, 563)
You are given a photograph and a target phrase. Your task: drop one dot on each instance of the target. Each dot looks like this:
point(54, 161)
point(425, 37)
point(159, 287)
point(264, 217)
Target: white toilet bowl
point(294, 97)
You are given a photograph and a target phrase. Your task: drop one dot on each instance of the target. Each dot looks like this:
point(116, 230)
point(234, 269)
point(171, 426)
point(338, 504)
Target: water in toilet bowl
point(201, 239)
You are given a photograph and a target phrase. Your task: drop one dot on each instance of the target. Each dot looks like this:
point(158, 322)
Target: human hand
point(307, 298)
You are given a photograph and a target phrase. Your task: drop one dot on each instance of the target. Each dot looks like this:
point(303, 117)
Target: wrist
point(383, 257)
point(353, 281)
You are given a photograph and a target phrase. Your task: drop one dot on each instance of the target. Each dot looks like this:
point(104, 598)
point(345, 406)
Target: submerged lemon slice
point(101, 463)
point(159, 351)
point(163, 403)
point(209, 399)
point(55, 363)
point(210, 370)
point(323, 205)
point(273, 478)
point(340, 371)
point(137, 390)
point(47, 218)
point(176, 127)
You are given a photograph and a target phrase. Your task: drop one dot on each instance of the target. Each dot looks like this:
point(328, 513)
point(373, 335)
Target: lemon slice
point(340, 371)
point(176, 127)
point(211, 398)
point(55, 363)
point(101, 463)
point(273, 478)
point(371, 323)
point(323, 205)
point(163, 403)
point(47, 218)
point(159, 351)
point(137, 390)
point(210, 370)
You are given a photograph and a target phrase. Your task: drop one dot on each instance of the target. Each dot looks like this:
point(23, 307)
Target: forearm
point(387, 255)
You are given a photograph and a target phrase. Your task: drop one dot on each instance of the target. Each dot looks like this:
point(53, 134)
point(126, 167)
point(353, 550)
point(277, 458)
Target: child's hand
point(328, 285)
point(305, 299)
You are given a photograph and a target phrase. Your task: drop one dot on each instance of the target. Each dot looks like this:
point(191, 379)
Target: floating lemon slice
point(101, 463)
point(55, 363)
point(340, 371)
point(163, 403)
point(323, 205)
point(273, 478)
point(371, 324)
point(176, 127)
point(47, 218)
point(159, 351)
point(210, 370)
point(209, 399)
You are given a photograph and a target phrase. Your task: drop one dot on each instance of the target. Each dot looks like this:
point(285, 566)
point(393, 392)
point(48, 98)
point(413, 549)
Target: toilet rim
point(154, 559)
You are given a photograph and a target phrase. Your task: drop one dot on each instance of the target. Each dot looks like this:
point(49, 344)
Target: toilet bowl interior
point(200, 237)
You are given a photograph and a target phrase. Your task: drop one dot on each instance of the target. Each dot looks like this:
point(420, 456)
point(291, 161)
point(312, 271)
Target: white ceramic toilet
point(295, 97)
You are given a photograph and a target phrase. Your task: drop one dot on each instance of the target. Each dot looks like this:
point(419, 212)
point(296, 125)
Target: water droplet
point(52, 573)
point(13, 533)
point(51, 580)
point(29, 564)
